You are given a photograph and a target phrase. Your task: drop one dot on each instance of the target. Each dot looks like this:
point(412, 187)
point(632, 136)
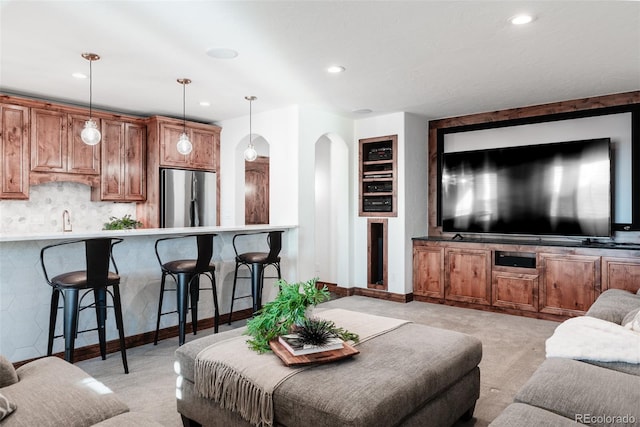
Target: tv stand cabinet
point(544, 280)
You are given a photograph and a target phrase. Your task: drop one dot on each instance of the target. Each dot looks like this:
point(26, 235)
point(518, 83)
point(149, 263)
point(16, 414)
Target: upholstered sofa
point(568, 391)
point(52, 392)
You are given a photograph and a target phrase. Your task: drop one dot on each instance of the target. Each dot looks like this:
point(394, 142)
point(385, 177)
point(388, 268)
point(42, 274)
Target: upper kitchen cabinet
point(123, 170)
point(205, 140)
point(14, 146)
point(56, 147)
point(162, 135)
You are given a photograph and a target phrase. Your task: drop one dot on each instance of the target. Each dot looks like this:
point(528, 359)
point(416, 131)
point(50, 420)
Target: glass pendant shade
point(184, 146)
point(90, 135)
point(250, 153)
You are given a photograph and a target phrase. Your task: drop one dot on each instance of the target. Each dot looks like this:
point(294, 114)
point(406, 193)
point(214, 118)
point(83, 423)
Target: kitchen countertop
point(71, 235)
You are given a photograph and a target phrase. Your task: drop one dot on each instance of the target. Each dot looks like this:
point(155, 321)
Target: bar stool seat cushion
point(78, 279)
point(253, 257)
point(184, 266)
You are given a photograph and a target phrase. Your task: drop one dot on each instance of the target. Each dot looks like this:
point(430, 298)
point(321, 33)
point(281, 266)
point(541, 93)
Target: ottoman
point(414, 375)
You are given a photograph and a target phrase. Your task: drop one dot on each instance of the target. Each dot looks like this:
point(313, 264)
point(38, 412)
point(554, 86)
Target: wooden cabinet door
point(48, 141)
point(428, 271)
point(569, 284)
point(169, 135)
point(515, 290)
point(204, 148)
point(123, 148)
point(82, 158)
point(14, 146)
point(56, 145)
point(135, 143)
point(621, 273)
point(468, 275)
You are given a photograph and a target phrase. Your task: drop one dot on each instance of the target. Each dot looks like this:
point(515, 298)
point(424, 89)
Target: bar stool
point(95, 279)
point(256, 262)
point(186, 274)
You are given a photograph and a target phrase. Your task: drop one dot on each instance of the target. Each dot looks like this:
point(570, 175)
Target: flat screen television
point(561, 189)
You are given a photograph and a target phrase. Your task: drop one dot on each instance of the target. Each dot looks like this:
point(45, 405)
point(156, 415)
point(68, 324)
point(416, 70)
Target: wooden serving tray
point(308, 359)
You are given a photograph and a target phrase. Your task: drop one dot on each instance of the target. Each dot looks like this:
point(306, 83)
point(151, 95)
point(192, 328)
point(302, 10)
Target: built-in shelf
point(378, 176)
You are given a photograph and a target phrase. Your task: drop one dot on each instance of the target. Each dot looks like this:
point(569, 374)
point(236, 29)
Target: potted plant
point(287, 312)
point(124, 223)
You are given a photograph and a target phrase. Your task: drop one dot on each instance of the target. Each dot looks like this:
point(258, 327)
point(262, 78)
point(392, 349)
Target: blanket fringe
point(234, 392)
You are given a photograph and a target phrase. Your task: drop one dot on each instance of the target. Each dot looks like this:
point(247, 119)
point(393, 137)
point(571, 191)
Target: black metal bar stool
point(256, 262)
point(95, 279)
point(186, 274)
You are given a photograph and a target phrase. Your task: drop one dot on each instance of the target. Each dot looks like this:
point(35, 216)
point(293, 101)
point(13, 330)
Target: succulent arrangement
point(288, 311)
point(317, 332)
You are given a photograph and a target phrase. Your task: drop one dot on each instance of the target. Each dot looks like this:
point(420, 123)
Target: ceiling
point(432, 58)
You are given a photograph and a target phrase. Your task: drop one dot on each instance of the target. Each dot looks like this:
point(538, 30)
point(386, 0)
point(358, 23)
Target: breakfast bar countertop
point(60, 235)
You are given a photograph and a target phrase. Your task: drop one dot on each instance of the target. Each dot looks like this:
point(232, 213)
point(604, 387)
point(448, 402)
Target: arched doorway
point(332, 210)
point(255, 182)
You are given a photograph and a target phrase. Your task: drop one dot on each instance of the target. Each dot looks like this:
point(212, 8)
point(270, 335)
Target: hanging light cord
point(90, 87)
point(184, 114)
point(250, 133)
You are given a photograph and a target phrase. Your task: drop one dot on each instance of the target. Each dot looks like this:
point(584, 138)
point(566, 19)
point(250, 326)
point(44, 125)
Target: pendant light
point(90, 135)
point(184, 146)
point(250, 153)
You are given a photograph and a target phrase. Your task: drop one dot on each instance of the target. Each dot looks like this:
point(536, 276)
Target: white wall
point(314, 125)
point(391, 124)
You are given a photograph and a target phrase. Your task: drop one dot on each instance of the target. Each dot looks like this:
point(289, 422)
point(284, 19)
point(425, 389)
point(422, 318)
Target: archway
point(332, 210)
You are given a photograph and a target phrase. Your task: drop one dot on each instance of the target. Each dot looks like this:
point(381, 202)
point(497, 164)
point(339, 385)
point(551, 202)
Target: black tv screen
point(559, 189)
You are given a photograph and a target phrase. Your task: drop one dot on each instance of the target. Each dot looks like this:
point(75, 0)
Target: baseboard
point(113, 346)
point(371, 293)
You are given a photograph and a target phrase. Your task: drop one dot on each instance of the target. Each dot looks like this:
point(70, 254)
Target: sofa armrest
point(576, 389)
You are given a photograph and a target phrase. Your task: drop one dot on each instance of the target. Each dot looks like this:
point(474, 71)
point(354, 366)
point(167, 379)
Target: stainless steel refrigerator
point(187, 198)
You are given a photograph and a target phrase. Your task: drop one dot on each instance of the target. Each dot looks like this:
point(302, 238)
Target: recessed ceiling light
point(79, 75)
point(222, 53)
point(521, 19)
point(363, 111)
point(334, 69)
point(205, 103)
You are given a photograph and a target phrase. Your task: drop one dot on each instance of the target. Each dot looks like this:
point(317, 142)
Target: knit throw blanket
point(590, 338)
point(243, 381)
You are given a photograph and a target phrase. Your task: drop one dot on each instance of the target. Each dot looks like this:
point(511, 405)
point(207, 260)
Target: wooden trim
point(92, 351)
point(388, 296)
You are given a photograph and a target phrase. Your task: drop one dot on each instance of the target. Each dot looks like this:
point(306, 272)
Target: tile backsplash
point(42, 213)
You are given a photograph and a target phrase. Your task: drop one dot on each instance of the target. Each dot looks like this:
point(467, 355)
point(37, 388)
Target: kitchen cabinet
point(206, 145)
point(56, 146)
point(123, 169)
point(162, 135)
point(14, 146)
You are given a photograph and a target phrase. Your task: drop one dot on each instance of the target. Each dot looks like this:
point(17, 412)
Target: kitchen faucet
point(66, 221)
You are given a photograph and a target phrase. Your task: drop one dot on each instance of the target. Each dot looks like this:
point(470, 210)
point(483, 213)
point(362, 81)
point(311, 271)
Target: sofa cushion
point(129, 419)
point(52, 392)
point(521, 415)
point(574, 389)
point(613, 305)
point(6, 407)
point(8, 374)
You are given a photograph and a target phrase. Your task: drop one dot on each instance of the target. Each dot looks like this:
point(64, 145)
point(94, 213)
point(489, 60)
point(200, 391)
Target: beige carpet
point(513, 347)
